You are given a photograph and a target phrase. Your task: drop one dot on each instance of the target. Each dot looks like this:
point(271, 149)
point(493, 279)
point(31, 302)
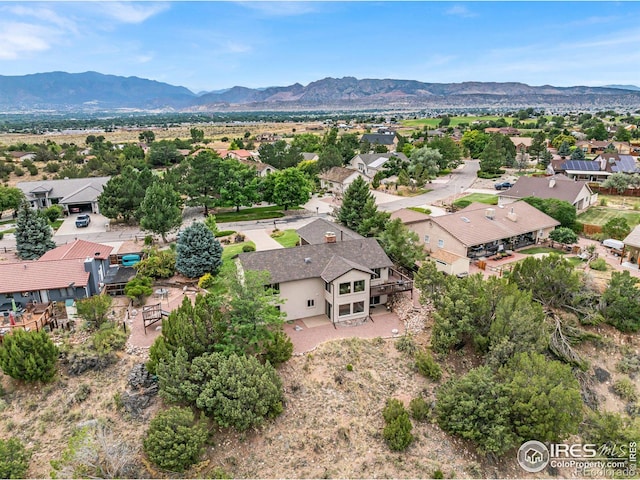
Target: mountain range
point(92, 91)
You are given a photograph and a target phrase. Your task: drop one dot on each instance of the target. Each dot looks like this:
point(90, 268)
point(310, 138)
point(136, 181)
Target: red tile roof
point(80, 249)
point(42, 275)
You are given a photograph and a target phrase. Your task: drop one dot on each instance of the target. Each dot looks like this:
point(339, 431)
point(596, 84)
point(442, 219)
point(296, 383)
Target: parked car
point(83, 221)
point(503, 185)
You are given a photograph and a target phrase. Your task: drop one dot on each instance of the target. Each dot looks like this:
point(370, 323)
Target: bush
point(174, 440)
point(488, 175)
point(108, 338)
point(148, 240)
point(397, 431)
point(94, 310)
point(18, 171)
point(225, 233)
point(248, 248)
point(29, 356)
point(53, 213)
point(138, 288)
point(239, 238)
point(158, 264)
point(599, 264)
point(419, 409)
point(427, 366)
point(437, 474)
point(14, 459)
point(1, 235)
point(625, 389)
point(279, 349)
point(206, 281)
point(406, 344)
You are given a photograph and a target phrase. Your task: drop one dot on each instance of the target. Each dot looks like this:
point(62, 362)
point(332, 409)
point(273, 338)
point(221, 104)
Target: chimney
point(513, 216)
point(330, 237)
point(490, 213)
point(552, 182)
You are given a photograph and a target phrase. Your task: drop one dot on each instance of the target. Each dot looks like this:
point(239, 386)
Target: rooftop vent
point(552, 182)
point(490, 213)
point(465, 219)
point(513, 216)
point(330, 237)
point(307, 260)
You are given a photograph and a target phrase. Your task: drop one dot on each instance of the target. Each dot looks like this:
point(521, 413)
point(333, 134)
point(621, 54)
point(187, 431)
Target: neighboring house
point(632, 246)
point(339, 280)
point(389, 140)
point(599, 146)
point(338, 179)
point(479, 230)
point(71, 271)
point(236, 154)
point(73, 194)
point(577, 193)
point(310, 156)
point(316, 232)
point(371, 163)
point(503, 130)
point(262, 169)
point(600, 168)
point(21, 156)
point(522, 143)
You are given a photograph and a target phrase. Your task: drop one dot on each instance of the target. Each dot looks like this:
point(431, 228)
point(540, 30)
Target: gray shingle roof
point(338, 174)
point(558, 186)
point(65, 188)
point(379, 138)
point(314, 232)
point(317, 261)
point(369, 158)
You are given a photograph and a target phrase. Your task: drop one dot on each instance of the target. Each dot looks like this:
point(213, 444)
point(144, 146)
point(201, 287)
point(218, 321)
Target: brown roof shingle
point(311, 261)
point(42, 275)
point(80, 249)
point(557, 186)
point(314, 232)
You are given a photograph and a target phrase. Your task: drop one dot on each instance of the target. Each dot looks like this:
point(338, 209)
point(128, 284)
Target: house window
point(426, 239)
point(327, 287)
point(358, 307)
point(274, 287)
point(345, 288)
point(311, 303)
point(374, 300)
point(440, 243)
point(376, 272)
point(344, 309)
point(327, 308)
point(358, 286)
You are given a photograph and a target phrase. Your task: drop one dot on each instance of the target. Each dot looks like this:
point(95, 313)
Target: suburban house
point(338, 179)
point(71, 271)
point(262, 169)
point(577, 193)
point(502, 130)
point(21, 156)
point(599, 146)
point(371, 163)
point(314, 233)
point(237, 154)
point(632, 246)
point(478, 230)
point(522, 143)
point(389, 140)
point(600, 168)
point(341, 281)
point(310, 156)
point(73, 194)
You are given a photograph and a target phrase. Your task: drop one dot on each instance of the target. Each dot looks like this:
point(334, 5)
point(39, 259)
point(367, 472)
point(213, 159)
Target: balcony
point(397, 282)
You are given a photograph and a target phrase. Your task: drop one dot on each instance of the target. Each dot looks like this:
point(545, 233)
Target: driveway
point(68, 227)
point(262, 239)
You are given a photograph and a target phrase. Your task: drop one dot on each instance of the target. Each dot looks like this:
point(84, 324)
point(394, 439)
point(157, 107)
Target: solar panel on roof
point(585, 165)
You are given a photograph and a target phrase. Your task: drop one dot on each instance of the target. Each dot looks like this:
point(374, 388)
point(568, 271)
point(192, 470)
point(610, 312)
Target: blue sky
point(214, 45)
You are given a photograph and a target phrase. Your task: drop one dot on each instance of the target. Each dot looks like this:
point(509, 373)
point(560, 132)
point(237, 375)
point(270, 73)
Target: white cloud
point(280, 9)
point(18, 39)
point(460, 11)
point(132, 13)
point(235, 47)
point(43, 15)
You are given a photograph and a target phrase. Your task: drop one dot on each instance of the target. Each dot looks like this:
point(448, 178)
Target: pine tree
point(160, 210)
point(198, 252)
point(353, 203)
point(33, 234)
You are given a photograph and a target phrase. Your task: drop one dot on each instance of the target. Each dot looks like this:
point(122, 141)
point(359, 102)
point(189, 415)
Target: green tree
point(122, 194)
point(146, 136)
point(33, 234)
point(138, 288)
point(429, 159)
point(618, 181)
point(52, 213)
point(577, 154)
point(240, 186)
point(622, 134)
point(477, 408)
point(14, 459)
point(564, 235)
point(203, 180)
point(397, 431)
point(597, 132)
point(559, 210)
point(10, 198)
point(353, 203)
point(621, 302)
point(175, 440)
point(545, 401)
point(552, 280)
point(401, 244)
point(164, 153)
point(29, 356)
point(234, 390)
point(160, 209)
point(450, 151)
point(545, 158)
point(558, 140)
point(617, 228)
point(157, 264)
point(210, 223)
point(329, 157)
point(474, 141)
point(198, 252)
point(290, 188)
point(307, 142)
point(197, 135)
point(564, 150)
point(280, 155)
point(95, 310)
point(538, 145)
point(498, 151)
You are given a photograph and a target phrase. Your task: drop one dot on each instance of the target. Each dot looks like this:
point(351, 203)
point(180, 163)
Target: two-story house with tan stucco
point(340, 280)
